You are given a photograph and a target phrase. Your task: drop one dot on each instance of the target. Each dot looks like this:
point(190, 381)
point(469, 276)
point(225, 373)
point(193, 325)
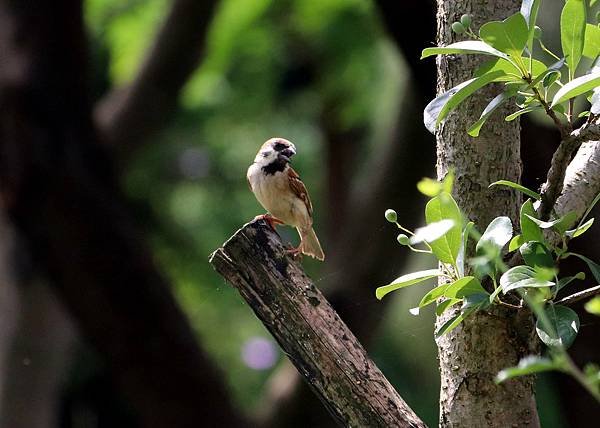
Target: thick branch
point(555, 180)
point(310, 332)
point(128, 115)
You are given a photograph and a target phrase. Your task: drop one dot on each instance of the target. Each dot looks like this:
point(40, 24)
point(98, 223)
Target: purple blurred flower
point(259, 353)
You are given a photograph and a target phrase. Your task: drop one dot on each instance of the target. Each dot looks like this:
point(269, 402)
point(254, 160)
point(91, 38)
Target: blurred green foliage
point(271, 68)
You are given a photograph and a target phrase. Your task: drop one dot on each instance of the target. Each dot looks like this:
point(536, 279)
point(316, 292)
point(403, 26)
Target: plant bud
point(465, 20)
point(391, 216)
point(403, 239)
point(458, 28)
point(537, 32)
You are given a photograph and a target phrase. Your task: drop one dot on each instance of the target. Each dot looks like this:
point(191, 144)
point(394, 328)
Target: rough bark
point(312, 335)
point(471, 355)
point(59, 192)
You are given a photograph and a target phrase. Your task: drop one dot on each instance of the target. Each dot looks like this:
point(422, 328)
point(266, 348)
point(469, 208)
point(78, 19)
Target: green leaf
point(437, 110)
point(593, 306)
point(529, 230)
point(433, 295)
point(563, 282)
point(529, 10)
point(467, 309)
point(429, 187)
point(498, 100)
point(512, 73)
point(518, 187)
point(496, 235)
point(446, 304)
point(521, 277)
point(560, 224)
point(432, 232)
point(466, 47)
point(464, 287)
point(580, 230)
point(460, 258)
point(515, 243)
point(591, 44)
point(572, 31)
point(527, 366)
point(563, 328)
point(521, 112)
point(407, 280)
point(443, 207)
point(593, 266)
point(536, 254)
point(508, 36)
point(576, 87)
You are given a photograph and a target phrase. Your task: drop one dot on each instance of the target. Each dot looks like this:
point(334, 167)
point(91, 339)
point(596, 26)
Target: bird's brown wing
point(299, 189)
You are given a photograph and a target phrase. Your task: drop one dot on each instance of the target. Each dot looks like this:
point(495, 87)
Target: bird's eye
point(280, 146)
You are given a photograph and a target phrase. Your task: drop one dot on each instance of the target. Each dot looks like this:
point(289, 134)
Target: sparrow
point(280, 191)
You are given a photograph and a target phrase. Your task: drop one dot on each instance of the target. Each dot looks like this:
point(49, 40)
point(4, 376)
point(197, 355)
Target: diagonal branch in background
point(127, 116)
point(57, 189)
point(552, 188)
point(310, 332)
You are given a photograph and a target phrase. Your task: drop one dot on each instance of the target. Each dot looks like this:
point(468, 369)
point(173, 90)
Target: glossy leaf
point(563, 328)
point(536, 254)
point(508, 36)
point(572, 31)
point(512, 73)
point(515, 243)
point(445, 305)
point(591, 44)
point(443, 207)
point(521, 277)
point(432, 232)
point(518, 187)
point(529, 230)
point(527, 366)
point(466, 47)
point(407, 280)
point(496, 235)
point(576, 87)
point(521, 112)
point(580, 230)
point(496, 102)
point(460, 258)
point(529, 10)
point(464, 287)
point(437, 110)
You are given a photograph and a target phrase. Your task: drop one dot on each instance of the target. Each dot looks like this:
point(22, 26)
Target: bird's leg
point(295, 252)
point(272, 221)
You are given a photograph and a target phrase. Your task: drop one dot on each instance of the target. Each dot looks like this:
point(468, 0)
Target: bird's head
point(275, 151)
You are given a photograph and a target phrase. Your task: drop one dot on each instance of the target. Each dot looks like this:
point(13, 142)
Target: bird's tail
point(310, 244)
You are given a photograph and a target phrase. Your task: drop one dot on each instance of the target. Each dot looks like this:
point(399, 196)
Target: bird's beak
point(286, 154)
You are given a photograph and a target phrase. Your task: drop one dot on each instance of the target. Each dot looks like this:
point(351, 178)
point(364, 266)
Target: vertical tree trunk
point(471, 355)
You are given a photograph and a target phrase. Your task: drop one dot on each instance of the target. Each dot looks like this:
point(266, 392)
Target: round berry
point(458, 28)
point(465, 20)
point(391, 216)
point(403, 239)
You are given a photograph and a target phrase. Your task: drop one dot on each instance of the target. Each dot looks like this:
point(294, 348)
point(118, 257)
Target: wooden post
point(312, 335)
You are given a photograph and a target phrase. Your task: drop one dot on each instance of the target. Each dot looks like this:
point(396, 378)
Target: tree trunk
point(472, 354)
point(313, 336)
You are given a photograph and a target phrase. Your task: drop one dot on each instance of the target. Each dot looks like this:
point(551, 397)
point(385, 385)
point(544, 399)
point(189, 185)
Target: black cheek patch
point(280, 146)
point(278, 165)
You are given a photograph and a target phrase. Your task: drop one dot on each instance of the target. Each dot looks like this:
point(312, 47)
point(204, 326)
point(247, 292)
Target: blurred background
point(127, 128)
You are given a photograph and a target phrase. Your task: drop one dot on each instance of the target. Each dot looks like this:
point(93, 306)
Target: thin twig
point(569, 300)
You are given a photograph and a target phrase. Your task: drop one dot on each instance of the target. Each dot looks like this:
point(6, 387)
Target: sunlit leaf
point(407, 280)
point(432, 232)
point(580, 230)
point(536, 254)
point(437, 110)
point(518, 187)
point(572, 31)
point(521, 277)
point(529, 10)
point(515, 243)
point(465, 47)
point(576, 87)
point(593, 306)
point(445, 305)
point(527, 366)
point(508, 36)
point(591, 44)
point(496, 235)
point(443, 207)
point(529, 230)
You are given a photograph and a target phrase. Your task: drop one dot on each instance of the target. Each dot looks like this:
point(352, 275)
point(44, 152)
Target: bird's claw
point(272, 221)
